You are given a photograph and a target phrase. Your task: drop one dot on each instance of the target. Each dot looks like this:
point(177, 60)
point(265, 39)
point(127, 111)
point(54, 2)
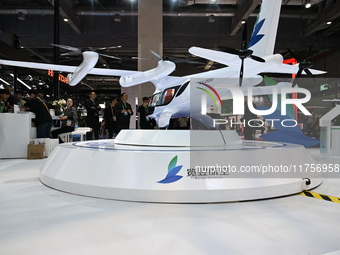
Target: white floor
point(35, 219)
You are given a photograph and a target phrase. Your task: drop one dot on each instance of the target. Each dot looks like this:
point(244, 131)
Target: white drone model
point(173, 97)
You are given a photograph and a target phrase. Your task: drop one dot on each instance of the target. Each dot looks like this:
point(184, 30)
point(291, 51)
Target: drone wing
point(34, 65)
point(225, 58)
point(128, 78)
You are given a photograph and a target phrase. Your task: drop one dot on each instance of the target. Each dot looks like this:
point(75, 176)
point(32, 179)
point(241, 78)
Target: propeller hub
point(305, 65)
point(245, 53)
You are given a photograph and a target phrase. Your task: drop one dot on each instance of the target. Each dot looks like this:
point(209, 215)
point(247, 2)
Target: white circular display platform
point(179, 166)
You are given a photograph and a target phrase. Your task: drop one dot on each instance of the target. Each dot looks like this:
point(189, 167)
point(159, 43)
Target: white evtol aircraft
point(173, 97)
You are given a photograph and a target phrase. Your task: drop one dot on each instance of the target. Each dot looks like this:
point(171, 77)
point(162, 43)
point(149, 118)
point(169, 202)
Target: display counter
point(15, 133)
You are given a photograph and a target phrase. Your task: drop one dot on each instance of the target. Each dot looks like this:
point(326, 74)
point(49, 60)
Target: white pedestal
point(138, 167)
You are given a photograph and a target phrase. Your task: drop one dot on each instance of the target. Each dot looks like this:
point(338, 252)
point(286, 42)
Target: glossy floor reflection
point(38, 220)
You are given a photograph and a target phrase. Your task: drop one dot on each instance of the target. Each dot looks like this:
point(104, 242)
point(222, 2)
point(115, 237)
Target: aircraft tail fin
point(263, 38)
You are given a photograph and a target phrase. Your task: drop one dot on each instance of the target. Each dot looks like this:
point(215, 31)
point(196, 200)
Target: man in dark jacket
point(123, 112)
point(11, 99)
point(4, 95)
point(110, 118)
point(92, 107)
point(144, 121)
point(43, 119)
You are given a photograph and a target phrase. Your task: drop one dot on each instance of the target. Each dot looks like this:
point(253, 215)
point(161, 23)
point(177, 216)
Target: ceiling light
point(211, 18)
point(21, 16)
point(307, 4)
point(117, 18)
point(329, 22)
point(243, 22)
point(66, 19)
point(4, 81)
point(23, 83)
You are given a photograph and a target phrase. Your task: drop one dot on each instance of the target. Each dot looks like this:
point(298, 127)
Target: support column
point(56, 85)
point(16, 42)
point(150, 37)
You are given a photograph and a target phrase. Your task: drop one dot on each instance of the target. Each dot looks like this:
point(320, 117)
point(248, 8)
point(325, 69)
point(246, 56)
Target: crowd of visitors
point(115, 116)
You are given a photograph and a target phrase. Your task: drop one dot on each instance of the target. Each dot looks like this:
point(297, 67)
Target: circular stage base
point(179, 166)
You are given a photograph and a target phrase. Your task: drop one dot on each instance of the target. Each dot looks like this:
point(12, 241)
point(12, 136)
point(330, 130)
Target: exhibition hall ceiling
point(186, 23)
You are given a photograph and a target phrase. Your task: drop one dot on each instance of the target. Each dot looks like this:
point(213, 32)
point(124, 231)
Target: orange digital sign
point(61, 77)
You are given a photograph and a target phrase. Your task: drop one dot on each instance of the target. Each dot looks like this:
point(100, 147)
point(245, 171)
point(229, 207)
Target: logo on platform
point(172, 172)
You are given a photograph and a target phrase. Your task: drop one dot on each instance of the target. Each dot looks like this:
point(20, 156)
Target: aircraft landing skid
point(178, 166)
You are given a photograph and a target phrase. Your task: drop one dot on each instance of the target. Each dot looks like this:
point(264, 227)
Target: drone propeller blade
point(308, 53)
point(172, 59)
point(154, 53)
point(244, 37)
point(107, 48)
point(71, 53)
point(303, 65)
point(241, 72)
point(293, 55)
point(66, 47)
point(309, 73)
point(108, 56)
point(243, 53)
point(184, 61)
point(146, 58)
point(297, 77)
point(256, 58)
